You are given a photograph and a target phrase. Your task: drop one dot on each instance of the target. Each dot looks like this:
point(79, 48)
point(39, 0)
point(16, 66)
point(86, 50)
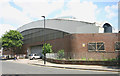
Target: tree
point(48, 48)
point(12, 40)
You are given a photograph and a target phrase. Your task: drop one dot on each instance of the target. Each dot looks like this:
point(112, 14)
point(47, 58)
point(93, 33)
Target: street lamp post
point(44, 42)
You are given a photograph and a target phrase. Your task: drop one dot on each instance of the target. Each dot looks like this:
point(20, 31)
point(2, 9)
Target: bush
point(84, 59)
point(90, 59)
point(60, 54)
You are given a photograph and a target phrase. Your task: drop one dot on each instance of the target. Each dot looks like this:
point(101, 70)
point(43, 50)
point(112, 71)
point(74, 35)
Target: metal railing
point(89, 56)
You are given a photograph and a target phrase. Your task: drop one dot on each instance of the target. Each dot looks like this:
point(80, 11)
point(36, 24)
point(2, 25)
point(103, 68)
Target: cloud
point(37, 8)
point(5, 27)
point(102, 0)
point(11, 15)
point(31, 9)
point(115, 30)
point(84, 11)
point(111, 11)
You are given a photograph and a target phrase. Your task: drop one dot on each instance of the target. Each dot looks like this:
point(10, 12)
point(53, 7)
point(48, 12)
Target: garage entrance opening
point(36, 49)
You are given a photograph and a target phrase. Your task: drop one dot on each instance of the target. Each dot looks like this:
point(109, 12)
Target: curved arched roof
point(70, 26)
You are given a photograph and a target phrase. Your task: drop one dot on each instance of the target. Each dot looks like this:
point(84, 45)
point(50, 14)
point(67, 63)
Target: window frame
point(115, 46)
point(96, 50)
point(88, 46)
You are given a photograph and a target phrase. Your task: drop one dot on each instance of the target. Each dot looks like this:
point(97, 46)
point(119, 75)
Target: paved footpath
point(67, 66)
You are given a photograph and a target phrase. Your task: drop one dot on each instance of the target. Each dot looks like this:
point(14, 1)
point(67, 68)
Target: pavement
point(40, 62)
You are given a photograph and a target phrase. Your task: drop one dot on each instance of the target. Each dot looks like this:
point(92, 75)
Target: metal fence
point(83, 55)
point(52, 55)
point(20, 56)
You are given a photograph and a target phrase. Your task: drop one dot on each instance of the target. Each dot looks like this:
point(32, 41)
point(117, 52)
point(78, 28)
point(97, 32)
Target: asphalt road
point(18, 68)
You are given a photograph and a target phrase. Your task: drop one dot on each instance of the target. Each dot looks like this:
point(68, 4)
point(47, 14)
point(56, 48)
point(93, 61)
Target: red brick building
point(78, 39)
point(95, 46)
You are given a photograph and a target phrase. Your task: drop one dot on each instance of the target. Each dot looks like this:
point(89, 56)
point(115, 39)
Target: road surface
point(18, 68)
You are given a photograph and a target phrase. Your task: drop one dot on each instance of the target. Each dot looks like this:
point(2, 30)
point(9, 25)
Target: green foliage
point(91, 59)
point(83, 58)
point(48, 48)
point(12, 40)
point(60, 54)
point(113, 59)
point(0, 39)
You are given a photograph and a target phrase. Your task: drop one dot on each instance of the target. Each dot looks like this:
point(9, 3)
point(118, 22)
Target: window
point(117, 46)
point(91, 46)
point(96, 46)
point(100, 46)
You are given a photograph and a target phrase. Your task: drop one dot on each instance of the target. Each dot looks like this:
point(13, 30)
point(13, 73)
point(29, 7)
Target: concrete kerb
point(85, 67)
point(74, 67)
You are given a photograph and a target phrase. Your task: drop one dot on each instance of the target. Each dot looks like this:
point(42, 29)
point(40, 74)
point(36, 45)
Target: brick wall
point(73, 45)
point(78, 51)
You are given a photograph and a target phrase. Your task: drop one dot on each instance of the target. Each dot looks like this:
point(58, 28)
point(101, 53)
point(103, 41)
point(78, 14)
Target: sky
point(15, 13)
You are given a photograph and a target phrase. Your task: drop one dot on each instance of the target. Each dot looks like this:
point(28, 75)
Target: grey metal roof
point(70, 26)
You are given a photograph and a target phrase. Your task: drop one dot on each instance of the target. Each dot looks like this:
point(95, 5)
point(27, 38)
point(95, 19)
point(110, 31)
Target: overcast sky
point(15, 13)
